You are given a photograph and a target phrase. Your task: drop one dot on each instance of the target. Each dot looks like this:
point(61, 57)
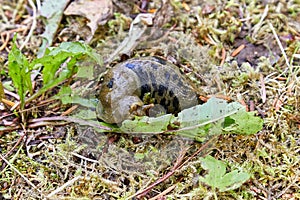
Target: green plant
point(62, 58)
point(217, 177)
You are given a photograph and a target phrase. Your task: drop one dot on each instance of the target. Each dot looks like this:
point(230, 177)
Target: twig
point(43, 124)
point(3, 16)
point(33, 25)
point(8, 103)
point(14, 95)
point(4, 41)
point(70, 110)
point(38, 5)
point(263, 92)
point(160, 195)
point(259, 24)
point(19, 5)
point(238, 50)
point(223, 56)
point(14, 147)
point(70, 182)
point(85, 158)
point(280, 46)
point(70, 119)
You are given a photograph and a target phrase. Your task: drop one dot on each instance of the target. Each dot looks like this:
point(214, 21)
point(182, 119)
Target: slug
point(126, 86)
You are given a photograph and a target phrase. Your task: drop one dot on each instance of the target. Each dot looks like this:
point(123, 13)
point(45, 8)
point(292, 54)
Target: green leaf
point(214, 110)
point(67, 96)
point(207, 119)
point(19, 71)
point(88, 117)
point(214, 117)
point(62, 58)
point(243, 123)
point(147, 124)
point(86, 72)
point(217, 176)
point(85, 114)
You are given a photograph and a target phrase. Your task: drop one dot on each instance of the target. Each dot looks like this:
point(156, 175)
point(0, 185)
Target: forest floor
point(239, 51)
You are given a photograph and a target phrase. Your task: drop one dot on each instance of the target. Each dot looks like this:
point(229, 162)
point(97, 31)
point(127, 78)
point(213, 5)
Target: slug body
point(126, 85)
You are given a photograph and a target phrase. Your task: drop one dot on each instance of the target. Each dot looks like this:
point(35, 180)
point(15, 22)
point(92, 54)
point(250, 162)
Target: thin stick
point(4, 41)
point(259, 24)
point(161, 195)
point(67, 184)
point(85, 158)
point(70, 119)
point(263, 92)
point(238, 50)
point(33, 25)
point(280, 45)
point(223, 56)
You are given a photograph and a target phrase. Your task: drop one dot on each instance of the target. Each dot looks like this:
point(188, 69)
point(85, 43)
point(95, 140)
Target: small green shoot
point(217, 177)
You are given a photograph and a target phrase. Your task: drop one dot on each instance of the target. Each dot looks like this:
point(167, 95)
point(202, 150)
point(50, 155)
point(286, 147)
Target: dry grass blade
point(33, 25)
point(61, 188)
point(287, 62)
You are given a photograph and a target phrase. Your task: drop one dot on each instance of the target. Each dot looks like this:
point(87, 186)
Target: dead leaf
point(52, 11)
point(137, 29)
point(96, 11)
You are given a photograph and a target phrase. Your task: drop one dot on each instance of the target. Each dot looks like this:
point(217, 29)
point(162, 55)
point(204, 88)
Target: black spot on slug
point(171, 93)
point(176, 104)
point(161, 90)
point(145, 89)
point(110, 84)
point(163, 102)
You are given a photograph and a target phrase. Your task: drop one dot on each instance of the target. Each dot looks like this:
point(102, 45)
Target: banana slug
point(126, 85)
